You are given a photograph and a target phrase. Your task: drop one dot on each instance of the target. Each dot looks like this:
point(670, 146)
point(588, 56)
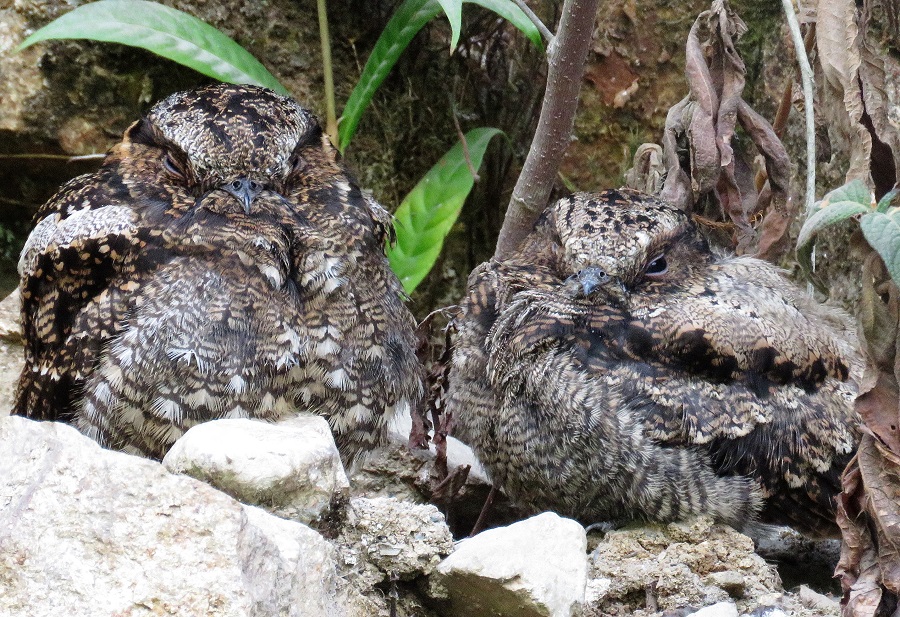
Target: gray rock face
point(675, 566)
point(86, 531)
point(292, 468)
point(537, 567)
point(720, 609)
point(387, 538)
point(12, 356)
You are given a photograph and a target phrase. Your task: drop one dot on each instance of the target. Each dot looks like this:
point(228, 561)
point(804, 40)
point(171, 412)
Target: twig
point(463, 142)
point(325, 40)
point(806, 76)
point(565, 57)
point(485, 509)
point(55, 157)
point(544, 30)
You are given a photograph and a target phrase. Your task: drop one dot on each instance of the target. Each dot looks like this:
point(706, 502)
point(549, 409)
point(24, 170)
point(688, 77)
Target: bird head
point(621, 241)
point(229, 145)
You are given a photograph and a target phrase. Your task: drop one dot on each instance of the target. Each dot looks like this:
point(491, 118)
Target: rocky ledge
point(247, 518)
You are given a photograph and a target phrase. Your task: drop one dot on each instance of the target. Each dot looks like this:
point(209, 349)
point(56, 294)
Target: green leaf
point(396, 36)
point(840, 204)
point(885, 202)
point(166, 32)
point(426, 215)
point(822, 218)
point(882, 232)
point(509, 11)
point(400, 30)
point(453, 9)
point(855, 191)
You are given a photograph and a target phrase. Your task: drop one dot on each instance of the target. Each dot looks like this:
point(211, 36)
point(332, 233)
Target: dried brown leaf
point(862, 594)
point(781, 209)
point(730, 71)
point(880, 469)
point(879, 74)
point(836, 43)
point(677, 187)
point(879, 315)
point(701, 128)
point(647, 171)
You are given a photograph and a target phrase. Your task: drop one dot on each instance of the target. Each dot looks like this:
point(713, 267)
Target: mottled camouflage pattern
point(714, 386)
point(154, 301)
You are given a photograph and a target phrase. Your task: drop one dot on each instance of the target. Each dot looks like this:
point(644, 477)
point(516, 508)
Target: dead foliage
point(435, 354)
point(859, 73)
point(869, 507)
point(699, 155)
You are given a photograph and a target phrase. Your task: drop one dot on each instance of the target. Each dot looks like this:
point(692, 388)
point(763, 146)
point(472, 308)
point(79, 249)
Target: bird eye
point(172, 167)
point(657, 267)
point(298, 163)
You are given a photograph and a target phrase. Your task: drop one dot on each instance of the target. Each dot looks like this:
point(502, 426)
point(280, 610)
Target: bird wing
point(741, 319)
point(570, 430)
point(84, 240)
point(794, 440)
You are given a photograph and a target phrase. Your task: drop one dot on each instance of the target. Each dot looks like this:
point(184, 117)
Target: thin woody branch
point(566, 56)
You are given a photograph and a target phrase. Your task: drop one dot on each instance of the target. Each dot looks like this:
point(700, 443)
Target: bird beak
point(244, 190)
point(591, 278)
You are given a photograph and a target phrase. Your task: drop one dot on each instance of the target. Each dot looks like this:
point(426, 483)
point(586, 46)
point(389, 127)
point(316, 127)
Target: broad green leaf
point(882, 232)
point(885, 202)
point(166, 32)
point(822, 218)
point(400, 30)
point(396, 36)
point(840, 204)
point(453, 9)
point(855, 191)
point(508, 10)
point(426, 215)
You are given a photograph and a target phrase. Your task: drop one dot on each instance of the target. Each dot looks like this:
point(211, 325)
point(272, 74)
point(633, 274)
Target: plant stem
point(544, 30)
point(325, 38)
point(806, 76)
point(565, 55)
point(68, 158)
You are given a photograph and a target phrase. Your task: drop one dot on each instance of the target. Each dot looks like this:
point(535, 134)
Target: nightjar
point(220, 264)
point(614, 367)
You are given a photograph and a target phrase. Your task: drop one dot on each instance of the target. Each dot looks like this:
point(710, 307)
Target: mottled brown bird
point(614, 368)
point(220, 264)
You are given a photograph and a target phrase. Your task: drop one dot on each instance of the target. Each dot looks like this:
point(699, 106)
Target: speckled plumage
point(221, 263)
point(615, 368)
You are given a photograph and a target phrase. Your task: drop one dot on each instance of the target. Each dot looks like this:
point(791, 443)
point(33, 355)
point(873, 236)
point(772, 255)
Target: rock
point(670, 567)
point(458, 453)
point(817, 601)
point(85, 530)
point(395, 470)
point(537, 567)
point(11, 318)
point(386, 538)
point(12, 356)
point(292, 468)
point(768, 611)
point(800, 559)
point(721, 609)
point(729, 580)
point(12, 359)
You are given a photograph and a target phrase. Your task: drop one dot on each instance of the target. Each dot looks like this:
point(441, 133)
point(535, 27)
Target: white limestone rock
point(291, 468)
point(694, 563)
point(86, 531)
point(536, 567)
point(384, 537)
point(720, 609)
point(12, 356)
